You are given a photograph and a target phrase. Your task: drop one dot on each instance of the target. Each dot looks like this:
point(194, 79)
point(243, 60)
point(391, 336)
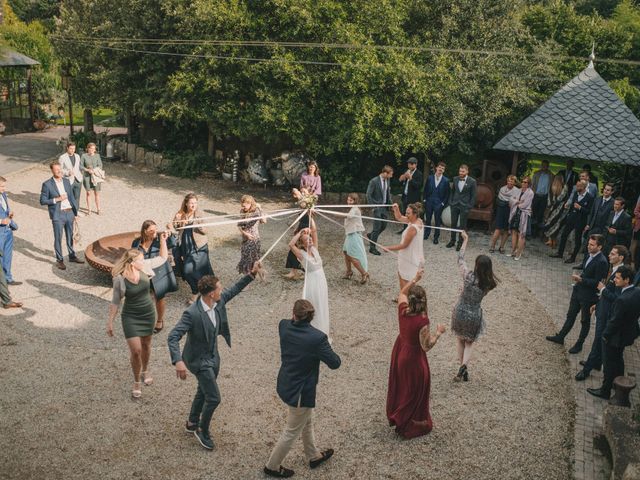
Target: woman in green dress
point(88, 162)
point(131, 282)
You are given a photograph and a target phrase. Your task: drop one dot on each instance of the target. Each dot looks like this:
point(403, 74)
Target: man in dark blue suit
point(621, 331)
point(585, 293)
point(302, 348)
point(57, 194)
point(203, 322)
point(608, 294)
point(436, 196)
point(7, 227)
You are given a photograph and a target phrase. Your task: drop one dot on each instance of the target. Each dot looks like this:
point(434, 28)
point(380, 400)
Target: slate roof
point(585, 119)
point(11, 58)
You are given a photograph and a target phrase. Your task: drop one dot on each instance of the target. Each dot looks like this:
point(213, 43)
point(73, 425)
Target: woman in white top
point(503, 210)
point(353, 248)
point(411, 248)
point(304, 247)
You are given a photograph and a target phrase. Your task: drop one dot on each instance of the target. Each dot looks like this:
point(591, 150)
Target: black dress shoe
point(577, 348)
point(582, 375)
point(555, 339)
point(555, 255)
point(326, 455)
point(570, 260)
point(584, 364)
point(598, 392)
point(280, 473)
point(436, 241)
point(451, 244)
point(458, 247)
point(204, 439)
point(14, 283)
point(374, 252)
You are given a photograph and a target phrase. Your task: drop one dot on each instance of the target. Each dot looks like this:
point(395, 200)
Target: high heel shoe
point(158, 328)
point(462, 371)
point(136, 392)
point(146, 379)
point(364, 279)
point(347, 276)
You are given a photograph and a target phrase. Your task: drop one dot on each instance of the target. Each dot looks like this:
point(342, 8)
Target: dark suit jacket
point(599, 215)
point(570, 179)
point(607, 297)
point(302, 348)
point(622, 328)
point(436, 197)
point(5, 213)
point(49, 191)
point(577, 218)
point(586, 290)
point(636, 279)
point(623, 230)
point(415, 185)
point(466, 199)
point(375, 195)
point(201, 347)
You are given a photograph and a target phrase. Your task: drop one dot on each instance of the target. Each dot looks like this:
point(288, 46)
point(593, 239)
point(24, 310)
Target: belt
point(66, 209)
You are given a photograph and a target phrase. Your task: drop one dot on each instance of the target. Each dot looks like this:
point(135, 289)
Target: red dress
point(409, 379)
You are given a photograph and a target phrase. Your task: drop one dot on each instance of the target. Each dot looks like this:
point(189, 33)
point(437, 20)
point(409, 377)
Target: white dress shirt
point(437, 179)
point(461, 184)
point(616, 216)
point(384, 190)
point(3, 203)
point(66, 204)
point(210, 311)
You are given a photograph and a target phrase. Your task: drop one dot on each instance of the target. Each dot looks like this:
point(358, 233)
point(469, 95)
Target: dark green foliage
point(187, 163)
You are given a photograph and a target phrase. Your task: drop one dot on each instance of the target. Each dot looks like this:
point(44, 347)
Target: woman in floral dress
point(250, 248)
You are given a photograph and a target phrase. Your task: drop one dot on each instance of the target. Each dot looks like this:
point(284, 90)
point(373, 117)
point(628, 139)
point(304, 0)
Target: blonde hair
point(557, 185)
point(514, 178)
point(91, 144)
point(251, 200)
point(125, 261)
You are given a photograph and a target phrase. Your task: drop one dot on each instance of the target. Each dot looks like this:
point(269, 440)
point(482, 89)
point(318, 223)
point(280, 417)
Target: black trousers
point(594, 360)
point(207, 398)
point(458, 212)
point(575, 307)
point(613, 366)
point(378, 226)
point(538, 207)
point(577, 236)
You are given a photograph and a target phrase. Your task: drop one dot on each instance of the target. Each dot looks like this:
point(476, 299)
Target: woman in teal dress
point(131, 282)
point(353, 249)
point(88, 162)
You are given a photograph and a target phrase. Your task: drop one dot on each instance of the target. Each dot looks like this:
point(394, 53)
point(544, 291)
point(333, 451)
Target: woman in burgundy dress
point(409, 377)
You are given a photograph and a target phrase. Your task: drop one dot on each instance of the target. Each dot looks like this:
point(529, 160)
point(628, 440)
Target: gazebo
point(16, 100)
point(584, 120)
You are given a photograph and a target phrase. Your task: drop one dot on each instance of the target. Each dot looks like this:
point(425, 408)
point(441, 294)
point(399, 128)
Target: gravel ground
point(66, 411)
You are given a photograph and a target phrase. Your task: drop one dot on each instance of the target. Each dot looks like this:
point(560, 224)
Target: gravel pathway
point(65, 407)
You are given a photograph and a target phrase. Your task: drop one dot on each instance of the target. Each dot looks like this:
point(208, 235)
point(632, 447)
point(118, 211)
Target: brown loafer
point(60, 264)
point(12, 305)
point(326, 455)
point(75, 260)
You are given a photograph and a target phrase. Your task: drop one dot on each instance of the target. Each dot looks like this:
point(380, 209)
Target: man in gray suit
point(463, 199)
point(379, 193)
point(203, 321)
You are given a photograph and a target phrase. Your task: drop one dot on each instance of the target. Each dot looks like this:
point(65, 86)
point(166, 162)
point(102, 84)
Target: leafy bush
point(81, 139)
point(186, 163)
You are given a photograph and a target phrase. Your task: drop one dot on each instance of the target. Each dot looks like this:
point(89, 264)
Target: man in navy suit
point(203, 322)
point(411, 181)
point(302, 348)
point(619, 226)
point(579, 206)
point(585, 293)
point(57, 194)
point(436, 197)
point(608, 294)
point(7, 227)
point(621, 331)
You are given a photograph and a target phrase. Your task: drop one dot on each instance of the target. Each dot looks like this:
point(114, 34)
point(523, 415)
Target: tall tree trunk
point(88, 120)
point(211, 151)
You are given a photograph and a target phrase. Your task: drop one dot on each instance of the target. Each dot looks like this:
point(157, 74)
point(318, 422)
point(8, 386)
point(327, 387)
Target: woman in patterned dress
point(250, 248)
point(467, 322)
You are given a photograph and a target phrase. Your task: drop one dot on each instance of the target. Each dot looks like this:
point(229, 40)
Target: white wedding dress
point(315, 288)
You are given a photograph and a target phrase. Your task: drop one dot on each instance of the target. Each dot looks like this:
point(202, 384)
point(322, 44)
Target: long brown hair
point(145, 226)
point(484, 273)
point(125, 261)
point(417, 299)
point(317, 171)
point(183, 207)
point(557, 185)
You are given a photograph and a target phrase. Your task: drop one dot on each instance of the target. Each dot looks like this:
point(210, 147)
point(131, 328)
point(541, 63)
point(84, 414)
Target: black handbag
point(164, 280)
point(515, 221)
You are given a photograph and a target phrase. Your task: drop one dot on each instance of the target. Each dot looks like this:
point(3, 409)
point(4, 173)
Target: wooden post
point(484, 170)
point(514, 163)
point(30, 97)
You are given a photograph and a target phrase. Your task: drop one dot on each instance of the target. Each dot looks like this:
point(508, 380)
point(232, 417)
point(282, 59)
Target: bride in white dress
point(304, 247)
point(410, 249)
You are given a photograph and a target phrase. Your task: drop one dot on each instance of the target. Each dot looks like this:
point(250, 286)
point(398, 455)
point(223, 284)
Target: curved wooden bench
point(105, 252)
